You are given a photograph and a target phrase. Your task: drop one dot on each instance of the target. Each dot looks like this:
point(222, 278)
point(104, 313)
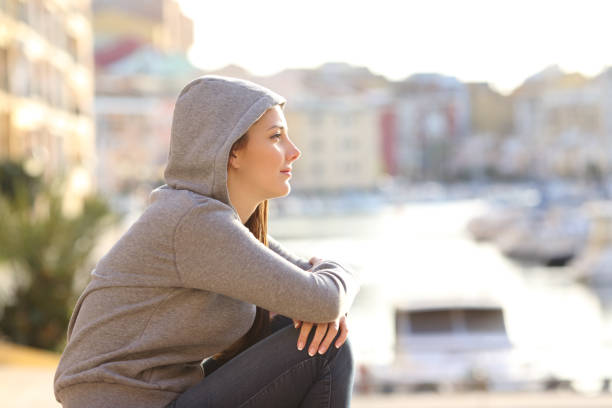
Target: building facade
point(141, 65)
point(46, 88)
point(160, 23)
point(563, 118)
point(340, 143)
point(432, 119)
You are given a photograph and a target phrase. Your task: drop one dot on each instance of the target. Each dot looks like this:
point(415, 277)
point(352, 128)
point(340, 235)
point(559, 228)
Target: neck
point(244, 203)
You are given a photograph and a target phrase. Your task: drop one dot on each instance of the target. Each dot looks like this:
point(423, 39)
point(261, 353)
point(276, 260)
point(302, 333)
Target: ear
point(233, 160)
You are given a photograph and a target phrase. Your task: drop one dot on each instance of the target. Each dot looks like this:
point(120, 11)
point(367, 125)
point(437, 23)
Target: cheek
point(265, 162)
point(271, 157)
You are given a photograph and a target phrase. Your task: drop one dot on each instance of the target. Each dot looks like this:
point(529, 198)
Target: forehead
point(273, 116)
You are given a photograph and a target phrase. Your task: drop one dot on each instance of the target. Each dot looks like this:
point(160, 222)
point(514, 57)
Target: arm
point(274, 245)
point(216, 252)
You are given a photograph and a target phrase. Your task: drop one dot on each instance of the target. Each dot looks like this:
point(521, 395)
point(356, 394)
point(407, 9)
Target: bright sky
point(498, 41)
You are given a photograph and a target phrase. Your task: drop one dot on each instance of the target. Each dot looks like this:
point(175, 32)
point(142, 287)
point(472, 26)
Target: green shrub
point(44, 249)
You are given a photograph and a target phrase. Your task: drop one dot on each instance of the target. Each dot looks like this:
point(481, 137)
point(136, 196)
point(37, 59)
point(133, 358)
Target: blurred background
point(455, 154)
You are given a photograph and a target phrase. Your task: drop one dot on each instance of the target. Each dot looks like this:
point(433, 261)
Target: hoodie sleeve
point(274, 245)
point(216, 252)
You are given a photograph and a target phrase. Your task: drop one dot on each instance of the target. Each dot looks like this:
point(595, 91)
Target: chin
point(283, 192)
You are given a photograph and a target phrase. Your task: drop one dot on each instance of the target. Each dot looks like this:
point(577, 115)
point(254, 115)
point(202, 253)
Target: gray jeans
point(274, 373)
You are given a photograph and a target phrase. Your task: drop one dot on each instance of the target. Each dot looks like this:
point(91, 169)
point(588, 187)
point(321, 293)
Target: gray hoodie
point(183, 282)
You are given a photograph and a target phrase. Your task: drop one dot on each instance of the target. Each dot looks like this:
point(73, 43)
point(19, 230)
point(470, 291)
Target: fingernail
point(295, 325)
point(337, 345)
point(300, 345)
point(321, 351)
point(311, 352)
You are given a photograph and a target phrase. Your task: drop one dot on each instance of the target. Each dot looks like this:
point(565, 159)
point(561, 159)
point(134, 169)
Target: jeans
point(274, 373)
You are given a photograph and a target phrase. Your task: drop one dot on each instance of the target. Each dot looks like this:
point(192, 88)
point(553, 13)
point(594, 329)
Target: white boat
point(460, 343)
point(487, 226)
point(452, 345)
point(549, 237)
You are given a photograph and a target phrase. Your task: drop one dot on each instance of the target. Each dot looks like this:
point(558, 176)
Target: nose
point(293, 152)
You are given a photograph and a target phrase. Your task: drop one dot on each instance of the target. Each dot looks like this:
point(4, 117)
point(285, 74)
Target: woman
point(197, 276)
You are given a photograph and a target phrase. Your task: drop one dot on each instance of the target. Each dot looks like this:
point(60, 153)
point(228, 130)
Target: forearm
point(274, 245)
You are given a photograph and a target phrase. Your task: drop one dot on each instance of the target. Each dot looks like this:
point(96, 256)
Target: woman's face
point(259, 168)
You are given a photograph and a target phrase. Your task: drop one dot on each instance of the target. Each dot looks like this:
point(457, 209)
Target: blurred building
point(432, 119)
point(490, 111)
point(388, 138)
point(46, 88)
point(562, 117)
point(141, 66)
point(334, 117)
point(488, 150)
point(159, 23)
point(340, 143)
point(604, 82)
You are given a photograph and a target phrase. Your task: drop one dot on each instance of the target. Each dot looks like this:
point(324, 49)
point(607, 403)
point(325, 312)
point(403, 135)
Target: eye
point(276, 135)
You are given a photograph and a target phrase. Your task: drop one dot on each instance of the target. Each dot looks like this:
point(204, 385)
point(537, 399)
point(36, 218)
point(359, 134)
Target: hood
point(210, 114)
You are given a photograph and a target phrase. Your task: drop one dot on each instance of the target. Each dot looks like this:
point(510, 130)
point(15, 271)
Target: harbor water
point(422, 250)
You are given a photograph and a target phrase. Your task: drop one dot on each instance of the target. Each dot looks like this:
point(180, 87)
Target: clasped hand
point(325, 332)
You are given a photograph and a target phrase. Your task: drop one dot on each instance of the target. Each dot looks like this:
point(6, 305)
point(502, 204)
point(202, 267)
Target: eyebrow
point(276, 126)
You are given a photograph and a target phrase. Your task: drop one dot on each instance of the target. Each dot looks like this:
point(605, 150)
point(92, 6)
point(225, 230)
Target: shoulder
point(209, 215)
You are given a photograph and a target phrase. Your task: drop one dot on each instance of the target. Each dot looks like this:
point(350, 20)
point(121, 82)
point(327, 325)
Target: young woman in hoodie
point(197, 275)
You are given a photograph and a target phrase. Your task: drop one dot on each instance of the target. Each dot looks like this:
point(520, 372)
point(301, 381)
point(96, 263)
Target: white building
point(564, 120)
point(340, 143)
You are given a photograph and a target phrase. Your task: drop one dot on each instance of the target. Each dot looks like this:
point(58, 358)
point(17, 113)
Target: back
point(181, 285)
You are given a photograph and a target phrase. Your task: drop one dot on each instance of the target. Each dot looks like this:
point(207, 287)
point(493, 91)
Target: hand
point(330, 328)
point(314, 261)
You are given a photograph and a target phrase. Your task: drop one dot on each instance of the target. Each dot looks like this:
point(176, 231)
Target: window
point(8, 6)
point(3, 69)
point(431, 321)
point(347, 142)
point(72, 47)
point(483, 320)
point(5, 128)
point(22, 11)
point(21, 74)
point(38, 80)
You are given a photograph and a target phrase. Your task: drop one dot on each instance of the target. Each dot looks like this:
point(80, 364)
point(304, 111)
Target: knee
point(342, 356)
point(345, 353)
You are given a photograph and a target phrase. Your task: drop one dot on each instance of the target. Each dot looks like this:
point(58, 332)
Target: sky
point(496, 41)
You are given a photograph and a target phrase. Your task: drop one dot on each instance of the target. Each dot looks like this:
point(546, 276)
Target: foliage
point(44, 249)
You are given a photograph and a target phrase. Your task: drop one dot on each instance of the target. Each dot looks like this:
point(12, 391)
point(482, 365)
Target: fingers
point(306, 326)
point(332, 330)
point(343, 332)
point(318, 337)
point(314, 261)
